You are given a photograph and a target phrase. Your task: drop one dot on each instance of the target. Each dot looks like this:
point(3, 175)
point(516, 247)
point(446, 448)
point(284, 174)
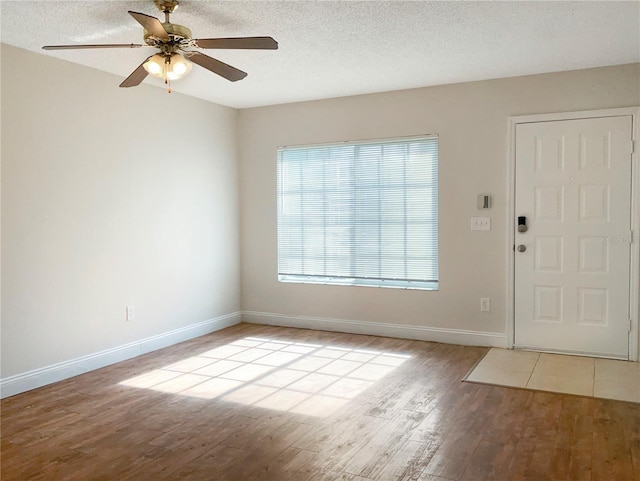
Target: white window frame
point(427, 188)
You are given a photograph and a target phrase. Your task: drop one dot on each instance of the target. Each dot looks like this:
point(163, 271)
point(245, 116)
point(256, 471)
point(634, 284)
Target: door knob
point(522, 248)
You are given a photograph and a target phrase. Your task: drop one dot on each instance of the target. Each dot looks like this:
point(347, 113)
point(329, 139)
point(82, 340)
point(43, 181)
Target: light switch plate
point(481, 223)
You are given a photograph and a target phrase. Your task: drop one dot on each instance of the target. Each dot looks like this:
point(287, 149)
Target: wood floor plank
point(509, 418)
point(573, 452)
point(629, 412)
point(285, 465)
point(372, 409)
point(612, 458)
point(381, 448)
point(489, 461)
point(408, 462)
point(453, 455)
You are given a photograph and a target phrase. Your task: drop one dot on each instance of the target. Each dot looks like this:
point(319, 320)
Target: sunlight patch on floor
point(310, 379)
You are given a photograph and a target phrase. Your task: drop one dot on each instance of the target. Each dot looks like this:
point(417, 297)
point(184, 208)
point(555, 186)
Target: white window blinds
point(359, 213)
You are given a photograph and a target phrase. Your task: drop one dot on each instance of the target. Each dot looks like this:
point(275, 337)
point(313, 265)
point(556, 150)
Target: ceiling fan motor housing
point(178, 33)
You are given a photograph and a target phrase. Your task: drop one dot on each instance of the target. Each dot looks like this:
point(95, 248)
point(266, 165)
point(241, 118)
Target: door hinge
point(633, 146)
point(630, 324)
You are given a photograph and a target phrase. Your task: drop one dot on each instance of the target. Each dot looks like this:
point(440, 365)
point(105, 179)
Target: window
point(359, 213)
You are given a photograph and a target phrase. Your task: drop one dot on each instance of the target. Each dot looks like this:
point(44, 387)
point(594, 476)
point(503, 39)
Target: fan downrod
point(167, 7)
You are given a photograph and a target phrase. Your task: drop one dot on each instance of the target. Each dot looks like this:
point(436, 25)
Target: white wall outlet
point(481, 223)
point(485, 304)
point(131, 313)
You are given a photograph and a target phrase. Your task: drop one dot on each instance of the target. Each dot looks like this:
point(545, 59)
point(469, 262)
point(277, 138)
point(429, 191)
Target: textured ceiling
point(337, 48)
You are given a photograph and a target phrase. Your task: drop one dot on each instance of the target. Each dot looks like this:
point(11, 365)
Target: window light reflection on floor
point(298, 377)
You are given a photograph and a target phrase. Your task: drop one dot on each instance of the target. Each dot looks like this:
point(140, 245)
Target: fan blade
point(137, 76)
point(151, 25)
point(103, 45)
point(259, 43)
point(216, 66)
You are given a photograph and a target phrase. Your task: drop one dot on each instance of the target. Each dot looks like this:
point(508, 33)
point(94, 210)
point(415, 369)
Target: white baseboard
point(403, 331)
point(13, 385)
point(19, 383)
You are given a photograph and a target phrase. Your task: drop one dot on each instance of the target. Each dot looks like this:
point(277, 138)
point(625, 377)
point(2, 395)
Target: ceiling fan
point(174, 43)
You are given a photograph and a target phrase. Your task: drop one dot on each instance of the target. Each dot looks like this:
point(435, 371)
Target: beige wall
point(105, 203)
point(110, 197)
point(471, 120)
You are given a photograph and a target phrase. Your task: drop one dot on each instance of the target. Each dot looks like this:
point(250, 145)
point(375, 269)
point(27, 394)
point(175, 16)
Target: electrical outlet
point(485, 304)
point(131, 313)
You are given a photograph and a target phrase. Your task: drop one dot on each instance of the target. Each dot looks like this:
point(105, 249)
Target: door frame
point(634, 281)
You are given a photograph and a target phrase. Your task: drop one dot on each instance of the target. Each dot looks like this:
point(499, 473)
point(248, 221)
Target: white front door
point(572, 265)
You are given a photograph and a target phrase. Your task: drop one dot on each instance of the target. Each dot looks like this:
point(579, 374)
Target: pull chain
point(167, 80)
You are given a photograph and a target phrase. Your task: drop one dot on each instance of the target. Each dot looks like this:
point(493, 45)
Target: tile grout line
point(532, 371)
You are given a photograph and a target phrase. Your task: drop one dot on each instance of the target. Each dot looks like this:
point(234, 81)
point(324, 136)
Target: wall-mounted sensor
point(522, 224)
point(484, 201)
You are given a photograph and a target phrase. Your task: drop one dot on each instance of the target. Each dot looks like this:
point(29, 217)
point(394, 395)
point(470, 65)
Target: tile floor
point(584, 376)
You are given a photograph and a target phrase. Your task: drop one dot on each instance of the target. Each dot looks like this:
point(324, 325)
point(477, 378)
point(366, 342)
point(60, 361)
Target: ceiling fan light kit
point(168, 68)
point(175, 45)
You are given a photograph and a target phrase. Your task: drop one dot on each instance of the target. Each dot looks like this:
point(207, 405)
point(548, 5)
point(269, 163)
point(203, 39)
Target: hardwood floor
point(259, 403)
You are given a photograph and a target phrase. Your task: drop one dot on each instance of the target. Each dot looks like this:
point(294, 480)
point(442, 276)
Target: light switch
point(481, 223)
